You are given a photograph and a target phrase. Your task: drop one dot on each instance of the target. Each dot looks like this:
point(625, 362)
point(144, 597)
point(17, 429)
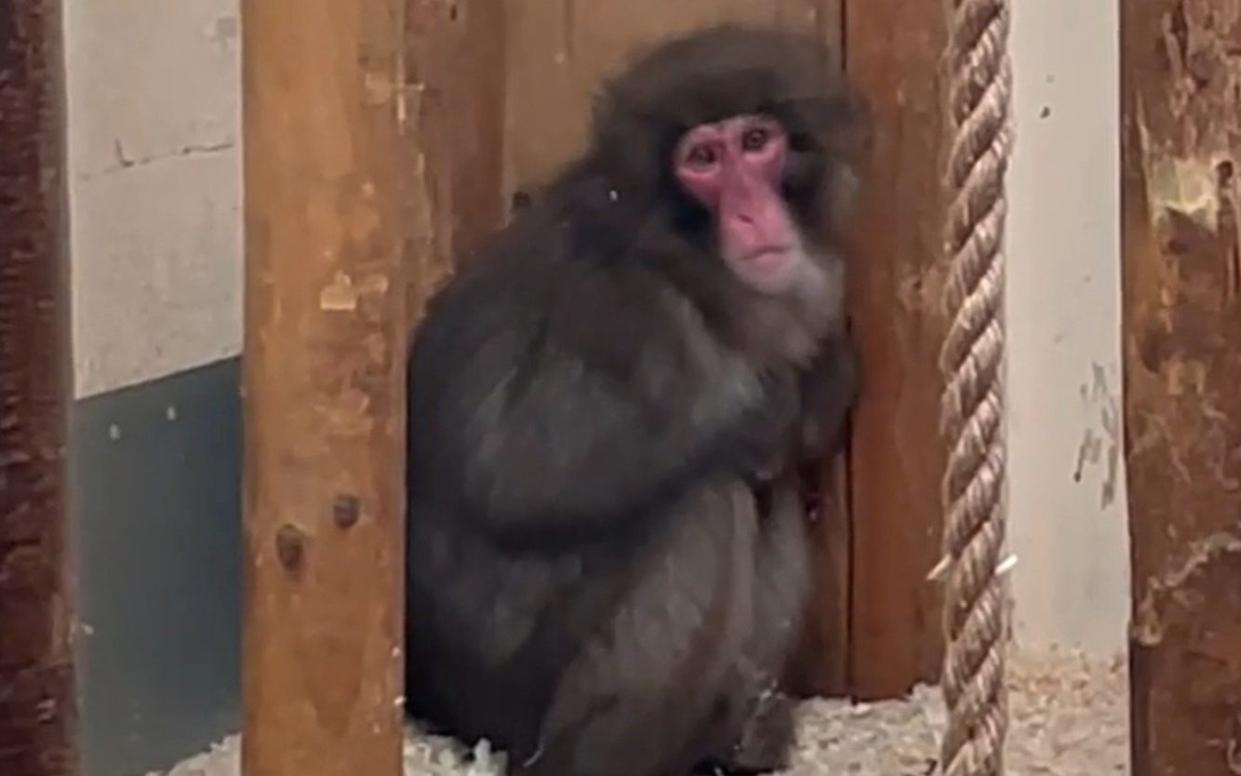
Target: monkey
point(607, 559)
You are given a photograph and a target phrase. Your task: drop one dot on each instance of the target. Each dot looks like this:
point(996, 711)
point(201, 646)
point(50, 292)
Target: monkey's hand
point(767, 471)
point(829, 389)
point(771, 428)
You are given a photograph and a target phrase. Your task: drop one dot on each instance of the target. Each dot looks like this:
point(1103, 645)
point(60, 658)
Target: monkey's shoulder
point(512, 311)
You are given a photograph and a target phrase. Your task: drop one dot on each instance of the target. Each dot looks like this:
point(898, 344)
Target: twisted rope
point(975, 617)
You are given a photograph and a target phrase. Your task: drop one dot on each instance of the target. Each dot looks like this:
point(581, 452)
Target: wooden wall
point(558, 50)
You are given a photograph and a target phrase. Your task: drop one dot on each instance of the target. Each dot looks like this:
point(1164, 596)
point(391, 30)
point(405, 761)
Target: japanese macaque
point(608, 564)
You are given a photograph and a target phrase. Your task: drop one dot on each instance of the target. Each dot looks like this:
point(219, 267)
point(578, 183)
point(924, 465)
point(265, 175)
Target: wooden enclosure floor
point(1069, 717)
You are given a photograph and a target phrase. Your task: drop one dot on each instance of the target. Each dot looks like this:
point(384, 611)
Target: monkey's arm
point(572, 448)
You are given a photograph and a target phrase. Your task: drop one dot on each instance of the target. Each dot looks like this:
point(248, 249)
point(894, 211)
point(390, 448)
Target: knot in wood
point(347, 510)
point(290, 547)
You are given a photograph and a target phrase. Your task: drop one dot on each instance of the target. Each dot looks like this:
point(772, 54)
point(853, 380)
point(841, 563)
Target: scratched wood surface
point(326, 161)
point(558, 51)
point(1182, 352)
point(38, 711)
point(454, 74)
point(897, 456)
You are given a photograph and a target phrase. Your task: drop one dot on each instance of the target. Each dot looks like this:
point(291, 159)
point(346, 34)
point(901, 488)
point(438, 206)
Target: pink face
point(734, 168)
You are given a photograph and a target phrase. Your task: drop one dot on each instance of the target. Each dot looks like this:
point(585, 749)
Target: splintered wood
point(1182, 352)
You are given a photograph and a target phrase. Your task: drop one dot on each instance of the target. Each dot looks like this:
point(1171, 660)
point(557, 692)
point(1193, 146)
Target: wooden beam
point(326, 295)
point(897, 456)
point(38, 703)
point(1182, 351)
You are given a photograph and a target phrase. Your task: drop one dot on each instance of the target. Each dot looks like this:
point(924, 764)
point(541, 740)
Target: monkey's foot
point(712, 768)
point(764, 744)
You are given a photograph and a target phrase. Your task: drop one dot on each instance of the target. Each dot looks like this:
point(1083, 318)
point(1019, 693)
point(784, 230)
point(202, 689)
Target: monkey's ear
point(847, 137)
point(624, 140)
point(844, 119)
point(606, 114)
point(842, 189)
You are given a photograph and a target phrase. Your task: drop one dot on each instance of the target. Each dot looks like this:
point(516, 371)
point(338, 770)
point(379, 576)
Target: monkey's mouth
point(766, 269)
point(767, 257)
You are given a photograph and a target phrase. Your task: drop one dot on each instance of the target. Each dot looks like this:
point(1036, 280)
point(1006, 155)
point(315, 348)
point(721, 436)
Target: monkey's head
point(748, 133)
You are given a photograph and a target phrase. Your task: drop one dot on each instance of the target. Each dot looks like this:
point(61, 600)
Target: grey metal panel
point(156, 498)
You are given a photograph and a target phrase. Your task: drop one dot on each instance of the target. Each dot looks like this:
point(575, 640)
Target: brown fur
point(592, 400)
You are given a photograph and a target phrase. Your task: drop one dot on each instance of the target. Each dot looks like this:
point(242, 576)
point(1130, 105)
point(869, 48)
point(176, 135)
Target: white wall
point(154, 136)
point(154, 187)
point(1066, 470)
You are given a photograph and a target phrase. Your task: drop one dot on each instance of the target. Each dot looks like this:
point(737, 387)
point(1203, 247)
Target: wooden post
point(38, 707)
point(1182, 351)
point(326, 294)
point(897, 456)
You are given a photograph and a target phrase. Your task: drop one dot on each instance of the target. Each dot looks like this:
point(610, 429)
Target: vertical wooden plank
point(1182, 340)
point(324, 390)
point(455, 82)
point(557, 53)
point(38, 711)
point(897, 456)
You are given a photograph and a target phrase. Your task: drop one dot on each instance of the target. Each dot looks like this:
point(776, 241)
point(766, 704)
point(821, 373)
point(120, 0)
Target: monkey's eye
point(701, 156)
point(755, 139)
